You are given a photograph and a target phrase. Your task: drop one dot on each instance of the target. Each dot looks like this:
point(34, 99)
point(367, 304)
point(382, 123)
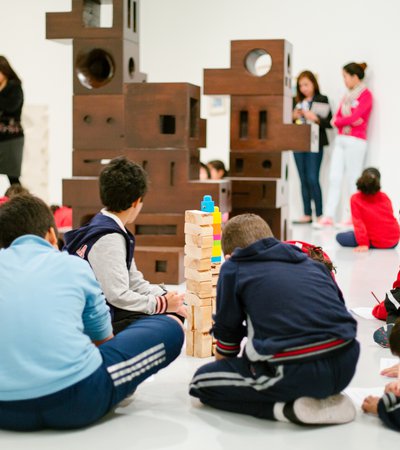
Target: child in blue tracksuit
point(53, 315)
point(388, 406)
point(301, 350)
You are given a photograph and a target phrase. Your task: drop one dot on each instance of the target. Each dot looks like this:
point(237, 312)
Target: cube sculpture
point(202, 266)
point(116, 113)
point(261, 129)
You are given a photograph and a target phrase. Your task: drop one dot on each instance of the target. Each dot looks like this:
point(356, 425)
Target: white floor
point(163, 416)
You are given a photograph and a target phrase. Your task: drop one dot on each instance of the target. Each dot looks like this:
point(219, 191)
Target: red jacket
point(373, 220)
point(379, 311)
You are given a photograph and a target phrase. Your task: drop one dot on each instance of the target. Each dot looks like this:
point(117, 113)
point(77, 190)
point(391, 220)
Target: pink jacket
point(358, 120)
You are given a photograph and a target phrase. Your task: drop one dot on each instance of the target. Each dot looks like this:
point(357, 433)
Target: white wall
point(181, 37)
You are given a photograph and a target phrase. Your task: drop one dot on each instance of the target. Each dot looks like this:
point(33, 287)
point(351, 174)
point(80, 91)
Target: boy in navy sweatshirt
point(109, 248)
point(301, 350)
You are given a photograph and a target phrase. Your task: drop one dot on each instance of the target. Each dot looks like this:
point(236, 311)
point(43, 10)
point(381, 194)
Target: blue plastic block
point(207, 205)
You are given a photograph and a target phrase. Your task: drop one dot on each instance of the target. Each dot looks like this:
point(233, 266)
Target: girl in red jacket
point(372, 213)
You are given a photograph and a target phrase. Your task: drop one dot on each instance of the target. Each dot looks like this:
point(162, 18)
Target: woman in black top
point(311, 107)
point(11, 132)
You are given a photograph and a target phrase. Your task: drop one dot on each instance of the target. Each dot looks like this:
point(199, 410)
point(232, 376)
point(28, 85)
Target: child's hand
point(393, 386)
point(182, 311)
point(391, 372)
point(361, 248)
point(370, 405)
point(175, 301)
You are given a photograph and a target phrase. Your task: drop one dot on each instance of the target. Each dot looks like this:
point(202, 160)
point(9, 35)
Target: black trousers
point(238, 385)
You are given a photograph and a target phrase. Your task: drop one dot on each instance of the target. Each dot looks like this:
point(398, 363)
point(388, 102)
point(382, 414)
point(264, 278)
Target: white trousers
point(347, 160)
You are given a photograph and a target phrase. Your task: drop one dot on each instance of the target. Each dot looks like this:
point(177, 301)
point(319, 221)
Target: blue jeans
point(142, 349)
point(308, 165)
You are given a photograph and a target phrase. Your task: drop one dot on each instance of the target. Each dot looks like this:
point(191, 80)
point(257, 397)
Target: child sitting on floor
point(109, 248)
point(388, 310)
point(372, 214)
point(301, 350)
point(52, 313)
point(388, 406)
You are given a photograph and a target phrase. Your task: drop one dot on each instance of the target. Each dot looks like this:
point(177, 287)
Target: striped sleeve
point(228, 348)
point(162, 304)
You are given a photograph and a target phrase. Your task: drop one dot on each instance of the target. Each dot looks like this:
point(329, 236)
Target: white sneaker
point(334, 409)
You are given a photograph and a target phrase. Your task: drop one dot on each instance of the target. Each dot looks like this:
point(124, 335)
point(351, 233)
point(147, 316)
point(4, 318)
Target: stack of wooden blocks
point(202, 264)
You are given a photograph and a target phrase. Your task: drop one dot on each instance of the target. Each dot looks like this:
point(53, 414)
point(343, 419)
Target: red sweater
point(373, 220)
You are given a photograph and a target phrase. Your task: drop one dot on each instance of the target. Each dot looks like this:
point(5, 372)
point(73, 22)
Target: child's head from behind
point(394, 339)
point(217, 169)
point(242, 231)
point(370, 181)
point(122, 182)
point(24, 214)
point(15, 189)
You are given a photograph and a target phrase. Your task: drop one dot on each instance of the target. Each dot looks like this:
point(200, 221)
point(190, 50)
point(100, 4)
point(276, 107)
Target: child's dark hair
point(217, 164)
point(356, 69)
point(370, 181)
point(122, 182)
point(394, 339)
point(24, 214)
point(242, 231)
point(317, 254)
point(206, 168)
point(15, 189)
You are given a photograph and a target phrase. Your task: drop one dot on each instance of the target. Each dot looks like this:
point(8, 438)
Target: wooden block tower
point(202, 265)
point(116, 113)
point(261, 129)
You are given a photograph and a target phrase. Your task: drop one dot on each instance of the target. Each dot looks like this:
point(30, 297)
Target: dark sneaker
point(381, 335)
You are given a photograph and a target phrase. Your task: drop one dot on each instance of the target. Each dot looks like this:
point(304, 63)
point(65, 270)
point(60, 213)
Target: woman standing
point(311, 106)
point(351, 121)
point(11, 132)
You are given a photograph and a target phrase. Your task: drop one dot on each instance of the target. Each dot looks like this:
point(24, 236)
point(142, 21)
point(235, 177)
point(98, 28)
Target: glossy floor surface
point(163, 416)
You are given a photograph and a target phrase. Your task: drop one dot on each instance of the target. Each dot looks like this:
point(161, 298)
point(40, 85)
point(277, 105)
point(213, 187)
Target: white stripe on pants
point(347, 159)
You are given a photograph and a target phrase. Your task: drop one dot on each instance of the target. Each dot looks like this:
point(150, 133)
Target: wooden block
point(198, 264)
point(198, 252)
point(164, 115)
point(214, 279)
point(214, 292)
point(198, 217)
point(190, 323)
point(158, 230)
point(259, 193)
point(259, 164)
point(197, 275)
point(215, 268)
point(161, 264)
point(193, 300)
point(84, 191)
point(197, 230)
point(202, 289)
point(239, 80)
point(202, 345)
point(199, 241)
point(214, 305)
point(214, 349)
point(189, 342)
point(202, 318)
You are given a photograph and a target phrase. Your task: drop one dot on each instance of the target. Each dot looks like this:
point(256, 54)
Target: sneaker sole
point(335, 409)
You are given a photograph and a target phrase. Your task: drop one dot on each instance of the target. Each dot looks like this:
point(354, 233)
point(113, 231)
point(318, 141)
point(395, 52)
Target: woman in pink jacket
point(351, 120)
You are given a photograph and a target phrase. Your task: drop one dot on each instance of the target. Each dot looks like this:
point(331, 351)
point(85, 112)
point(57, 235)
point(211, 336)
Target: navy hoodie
point(292, 307)
point(80, 241)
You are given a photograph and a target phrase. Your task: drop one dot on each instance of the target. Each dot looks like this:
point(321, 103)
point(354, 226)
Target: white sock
point(278, 412)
